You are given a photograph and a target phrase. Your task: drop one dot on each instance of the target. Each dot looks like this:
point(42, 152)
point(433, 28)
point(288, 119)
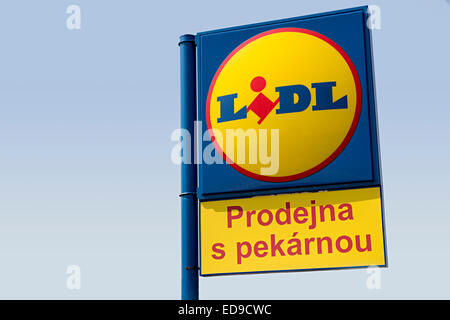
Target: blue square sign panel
point(287, 106)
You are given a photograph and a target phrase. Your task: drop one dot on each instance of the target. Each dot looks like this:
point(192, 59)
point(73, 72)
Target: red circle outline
point(328, 160)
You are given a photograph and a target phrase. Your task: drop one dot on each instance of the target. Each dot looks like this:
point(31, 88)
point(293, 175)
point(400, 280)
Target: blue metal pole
point(189, 204)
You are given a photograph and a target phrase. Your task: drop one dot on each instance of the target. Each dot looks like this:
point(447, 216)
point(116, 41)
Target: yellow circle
point(308, 140)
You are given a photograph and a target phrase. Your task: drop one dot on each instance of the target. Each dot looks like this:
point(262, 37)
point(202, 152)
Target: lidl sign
point(287, 108)
point(281, 79)
point(287, 105)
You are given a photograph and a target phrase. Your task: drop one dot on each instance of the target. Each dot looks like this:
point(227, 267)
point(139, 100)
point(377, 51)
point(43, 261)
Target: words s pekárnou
point(274, 246)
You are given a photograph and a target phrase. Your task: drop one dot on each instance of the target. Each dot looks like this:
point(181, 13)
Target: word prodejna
point(283, 216)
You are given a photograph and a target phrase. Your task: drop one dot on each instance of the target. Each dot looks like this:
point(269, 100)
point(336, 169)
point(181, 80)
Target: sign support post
point(189, 203)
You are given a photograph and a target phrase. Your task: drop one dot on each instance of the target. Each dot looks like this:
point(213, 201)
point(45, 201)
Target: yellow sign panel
point(328, 229)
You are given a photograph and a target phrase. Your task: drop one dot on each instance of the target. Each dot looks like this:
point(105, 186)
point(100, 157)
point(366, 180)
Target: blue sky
point(85, 172)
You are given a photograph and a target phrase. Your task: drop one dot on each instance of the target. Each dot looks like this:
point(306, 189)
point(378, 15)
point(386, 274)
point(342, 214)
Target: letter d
point(287, 94)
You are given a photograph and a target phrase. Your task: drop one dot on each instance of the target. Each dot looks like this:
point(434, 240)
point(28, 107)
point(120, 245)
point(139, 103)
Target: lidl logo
point(295, 82)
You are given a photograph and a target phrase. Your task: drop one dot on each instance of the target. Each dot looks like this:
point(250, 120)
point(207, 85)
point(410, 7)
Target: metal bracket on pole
point(189, 202)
